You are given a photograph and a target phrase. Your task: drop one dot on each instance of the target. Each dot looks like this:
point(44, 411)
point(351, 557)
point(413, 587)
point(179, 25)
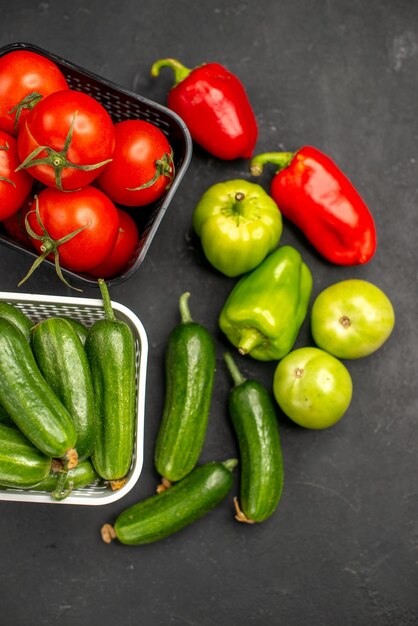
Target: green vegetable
point(312, 388)
point(64, 365)
point(255, 423)
point(263, 313)
point(190, 368)
point(16, 315)
point(239, 224)
point(352, 319)
point(80, 329)
point(29, 400)
point(61, 484)
point(163, 514)
point(21, 464)
point(5, 417)
point(110, 347)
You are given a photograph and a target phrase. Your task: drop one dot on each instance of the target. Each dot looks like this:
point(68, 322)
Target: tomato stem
point(3, 178)
point(163, 167)
point(49, 245)
point(28, 102)
point(7, 180)
point(58, 159)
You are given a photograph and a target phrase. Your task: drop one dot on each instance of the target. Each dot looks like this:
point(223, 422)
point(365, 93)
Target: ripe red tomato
point(77, 134)
point(123, 250)
point(15, 224)
point(25, 78)
point(62, 214)
point(142, 166)
point(14, 186)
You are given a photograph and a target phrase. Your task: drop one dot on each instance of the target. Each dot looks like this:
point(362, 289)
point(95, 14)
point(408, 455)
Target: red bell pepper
point(314, 194)
point(215, 107)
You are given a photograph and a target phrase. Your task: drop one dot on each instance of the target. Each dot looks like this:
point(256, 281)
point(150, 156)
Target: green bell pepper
point(263, 313)
point(239, 224)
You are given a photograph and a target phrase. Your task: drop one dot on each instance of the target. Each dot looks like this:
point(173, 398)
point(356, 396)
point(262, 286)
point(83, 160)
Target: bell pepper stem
point(281, 159)
point(180, 71)
point(184, 308)
point(250, 339)
point(237, 377)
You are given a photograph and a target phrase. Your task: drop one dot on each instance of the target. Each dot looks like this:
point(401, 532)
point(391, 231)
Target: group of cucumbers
point(67, 401)
point(188, 490)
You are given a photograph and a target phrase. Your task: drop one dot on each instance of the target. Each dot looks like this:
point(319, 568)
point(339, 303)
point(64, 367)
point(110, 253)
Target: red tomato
point(78, 136)
point(123, 250)
point(63, 213)
point(14, 186)
point(142, 166)
point(15, 224)
point(25, 78)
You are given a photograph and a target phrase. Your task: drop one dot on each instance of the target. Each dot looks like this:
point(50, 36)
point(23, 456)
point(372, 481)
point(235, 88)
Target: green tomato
point(312, 388)
point(352, 319)
point(239, 224)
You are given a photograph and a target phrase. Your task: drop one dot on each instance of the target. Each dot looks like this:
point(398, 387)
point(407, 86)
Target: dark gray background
point(342, 547)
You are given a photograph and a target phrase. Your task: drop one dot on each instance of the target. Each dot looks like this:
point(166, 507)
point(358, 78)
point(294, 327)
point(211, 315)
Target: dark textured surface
point(343, 546)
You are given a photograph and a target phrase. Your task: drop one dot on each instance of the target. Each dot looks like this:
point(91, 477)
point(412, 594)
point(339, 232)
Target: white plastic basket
point(87, 311)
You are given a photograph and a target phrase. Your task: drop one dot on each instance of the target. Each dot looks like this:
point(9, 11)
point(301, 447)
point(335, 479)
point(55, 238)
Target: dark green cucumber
point(29, 400)
point(79, 328)
point(60, 484)
point(110, 347)
point(16, 315)
point(5, 417)
point(64, 365)
point(175, 508)
point(189, 370)
point(255, 423)
point(21, 464)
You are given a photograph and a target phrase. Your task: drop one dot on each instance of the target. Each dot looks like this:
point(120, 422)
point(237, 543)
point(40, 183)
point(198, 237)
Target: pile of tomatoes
point(69, 176)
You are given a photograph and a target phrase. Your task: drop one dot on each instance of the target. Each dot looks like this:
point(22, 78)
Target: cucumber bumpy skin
point(190, 368)
point(110, 347)
point(172, 510)
point(21, 464)
point(63, 363)
point(255, 423)
point(29, 400)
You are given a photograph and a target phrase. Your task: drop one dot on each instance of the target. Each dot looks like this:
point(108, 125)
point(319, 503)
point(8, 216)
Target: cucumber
point(63, 363)
point(79, 328)
point(61, 484)
point(167, 512)
point(255, 423)
point(189, 371)
point(29, 400)
point(5, 417)
point(110, 347)
point(16, 315)
point(21, 464)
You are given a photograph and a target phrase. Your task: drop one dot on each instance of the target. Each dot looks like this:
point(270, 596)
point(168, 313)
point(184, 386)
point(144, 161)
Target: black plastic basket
point(121, 104)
